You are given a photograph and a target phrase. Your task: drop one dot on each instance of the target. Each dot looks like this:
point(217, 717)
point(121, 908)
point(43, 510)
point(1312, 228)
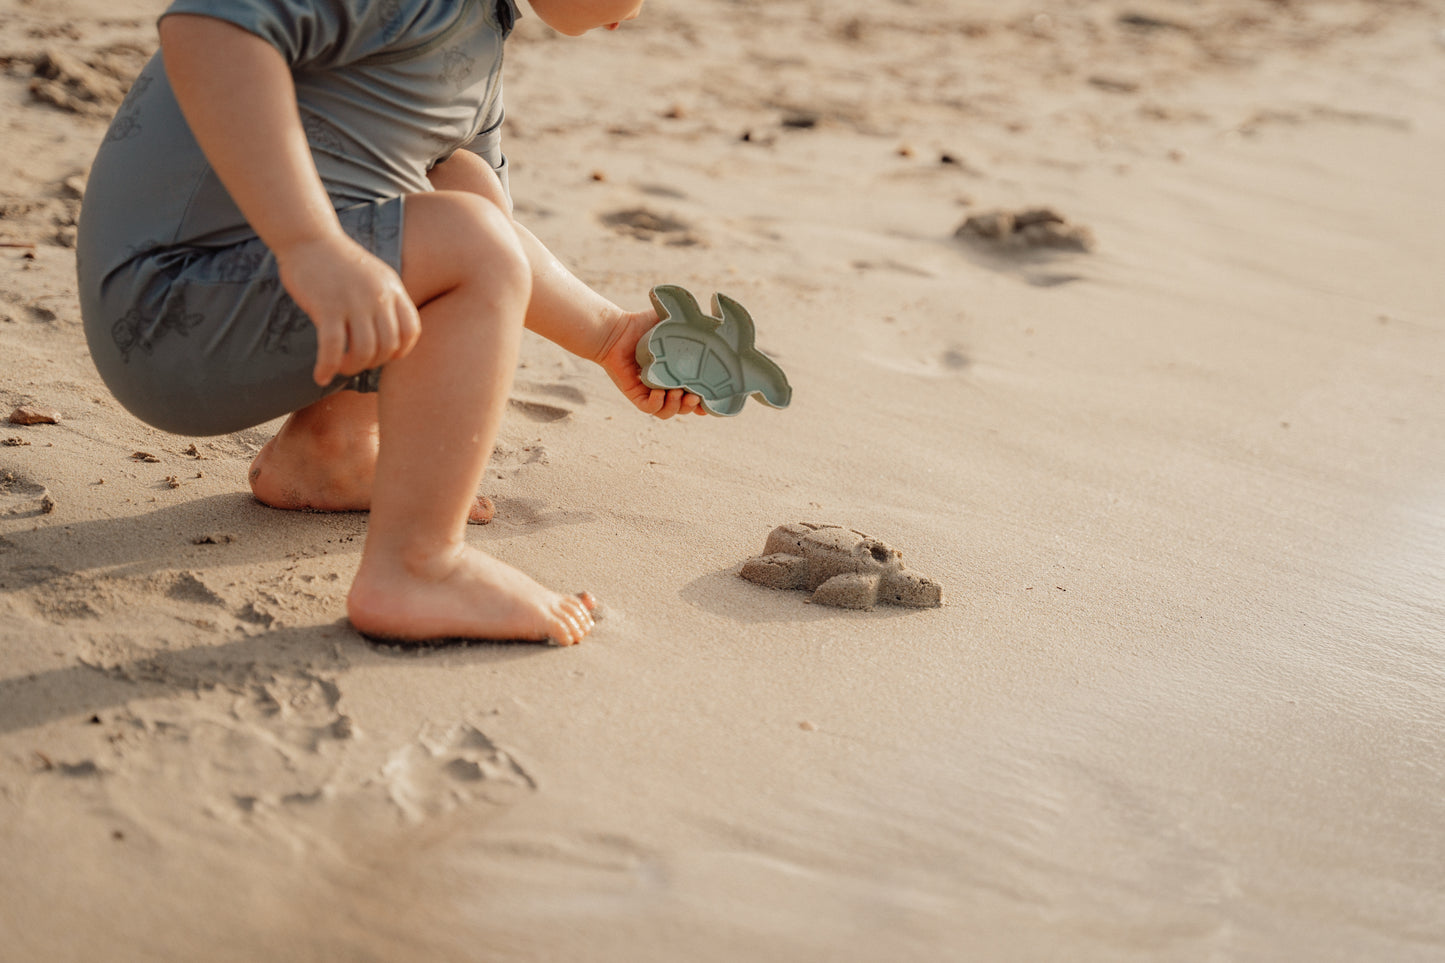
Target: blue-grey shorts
point(206, 341)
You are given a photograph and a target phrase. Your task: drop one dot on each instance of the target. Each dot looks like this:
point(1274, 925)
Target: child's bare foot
point(464, 594)
point(303, 469)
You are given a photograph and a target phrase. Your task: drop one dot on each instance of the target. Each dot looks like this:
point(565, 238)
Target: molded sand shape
point(710, 355)
point(840, 567)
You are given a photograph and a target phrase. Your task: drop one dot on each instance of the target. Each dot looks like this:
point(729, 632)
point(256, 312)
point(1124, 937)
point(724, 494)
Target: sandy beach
point(1176, 454)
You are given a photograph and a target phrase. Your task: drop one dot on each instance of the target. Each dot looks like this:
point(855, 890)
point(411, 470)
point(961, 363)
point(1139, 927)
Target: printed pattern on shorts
point(135, 330)
point(250, 270)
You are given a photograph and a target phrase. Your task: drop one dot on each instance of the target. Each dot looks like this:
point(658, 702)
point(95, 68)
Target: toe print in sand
point(447, 768)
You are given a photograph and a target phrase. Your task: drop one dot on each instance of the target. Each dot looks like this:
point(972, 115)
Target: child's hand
point(619, 360)
point(363, 315)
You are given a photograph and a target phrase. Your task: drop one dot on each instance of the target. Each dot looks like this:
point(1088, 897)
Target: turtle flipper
point(778, 570)
point(736, 325)
point(762, 378)
point(675, 303)
point(850, 590)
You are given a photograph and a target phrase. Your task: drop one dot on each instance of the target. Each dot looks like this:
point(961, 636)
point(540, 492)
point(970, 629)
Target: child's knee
point(500, 258)
point(465, 238)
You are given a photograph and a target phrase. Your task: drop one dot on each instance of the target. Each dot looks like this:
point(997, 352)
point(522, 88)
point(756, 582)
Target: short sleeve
point(304, 31)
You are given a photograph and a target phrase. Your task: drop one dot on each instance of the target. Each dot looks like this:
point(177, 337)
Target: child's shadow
point(216, 531)
point(205, 535)
point(327, 650)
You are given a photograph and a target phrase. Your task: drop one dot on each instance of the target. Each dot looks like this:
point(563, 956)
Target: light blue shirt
point(386, 89)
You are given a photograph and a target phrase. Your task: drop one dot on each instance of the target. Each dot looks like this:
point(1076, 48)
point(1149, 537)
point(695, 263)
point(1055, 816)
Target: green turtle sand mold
point(841, 567)
point(713, 356)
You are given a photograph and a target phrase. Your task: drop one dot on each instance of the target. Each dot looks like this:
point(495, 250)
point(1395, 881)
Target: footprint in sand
point(545, 402)
point(243, 742)
point(63, 597)
point(188, 587)
point(23, 497)
point(1026, 242)
point(300, 710)
point(921, 345)
point(446, 769)
point(539, 411)
point(646, 225)
point(1034, 229)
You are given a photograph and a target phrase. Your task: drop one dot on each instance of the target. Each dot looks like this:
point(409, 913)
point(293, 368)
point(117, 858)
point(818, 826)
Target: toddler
point(302, 207)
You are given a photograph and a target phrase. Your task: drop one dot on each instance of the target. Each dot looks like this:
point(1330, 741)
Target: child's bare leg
point(439, 409)
point(324, 459)
point(568, 312)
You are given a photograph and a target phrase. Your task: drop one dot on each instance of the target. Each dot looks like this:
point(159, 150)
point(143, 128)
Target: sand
point(1183, 486)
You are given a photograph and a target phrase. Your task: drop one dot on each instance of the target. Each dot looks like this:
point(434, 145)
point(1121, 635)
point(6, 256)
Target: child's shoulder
point(332, 32)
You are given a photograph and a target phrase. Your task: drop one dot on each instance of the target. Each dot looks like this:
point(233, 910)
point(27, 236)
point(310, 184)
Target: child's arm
point(237, 95)
point(566, 311)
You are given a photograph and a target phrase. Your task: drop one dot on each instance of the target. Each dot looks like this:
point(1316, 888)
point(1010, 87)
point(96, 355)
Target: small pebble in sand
point(599, 176)
point(47, 504)
point(15, 442)
point(29, 415)
point(807, 726)
point(143, 456)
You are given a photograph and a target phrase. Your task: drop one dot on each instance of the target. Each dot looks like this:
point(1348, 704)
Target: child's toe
point(571, 620)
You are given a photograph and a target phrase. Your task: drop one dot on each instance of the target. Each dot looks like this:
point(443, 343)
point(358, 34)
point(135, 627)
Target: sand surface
point(1185, 491)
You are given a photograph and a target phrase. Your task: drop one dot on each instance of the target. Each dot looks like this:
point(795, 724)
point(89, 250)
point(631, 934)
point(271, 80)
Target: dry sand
point(1186, 492)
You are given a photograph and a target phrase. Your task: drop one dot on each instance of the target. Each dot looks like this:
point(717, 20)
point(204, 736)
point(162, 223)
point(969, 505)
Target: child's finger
point(671, 405)
point(388, 336)
point(408, 325)
point(361, 346)
point(651, 403)
point(330, 347)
